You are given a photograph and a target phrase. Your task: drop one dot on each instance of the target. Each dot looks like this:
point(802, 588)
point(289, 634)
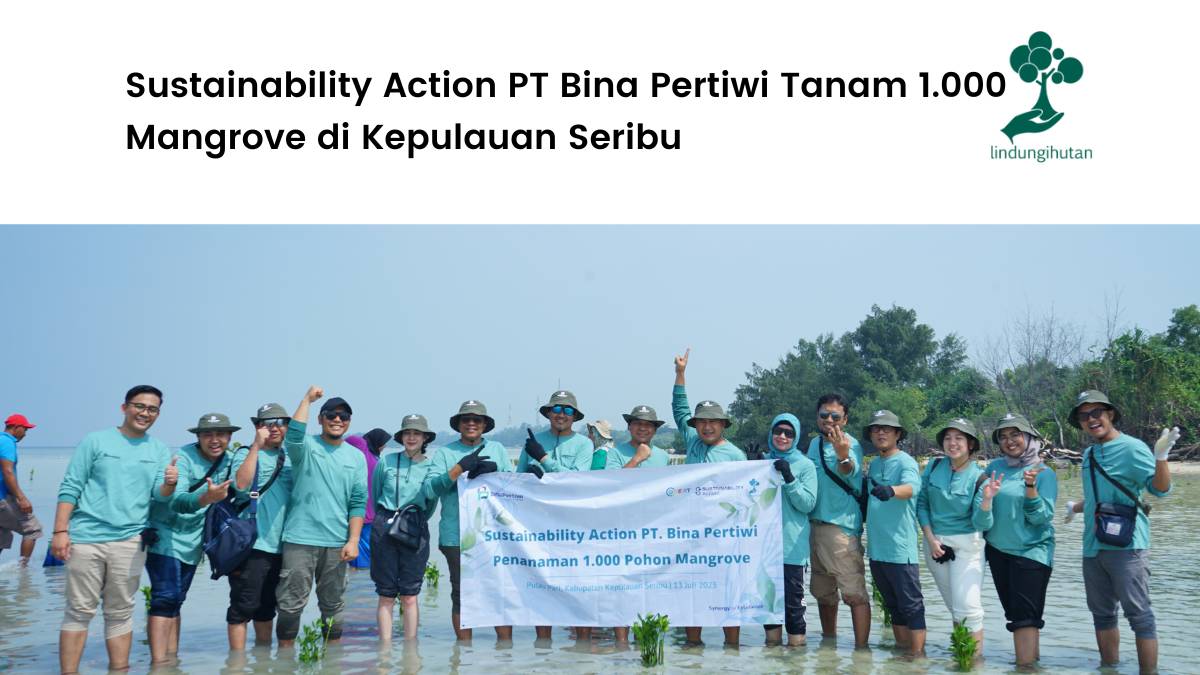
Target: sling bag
point(407, 525)
point(1115, 523)
point(861, 497)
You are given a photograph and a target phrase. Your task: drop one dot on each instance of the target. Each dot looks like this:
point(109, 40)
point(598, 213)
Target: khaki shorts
point(110, 572)
point(12, 520)
point(837, 565)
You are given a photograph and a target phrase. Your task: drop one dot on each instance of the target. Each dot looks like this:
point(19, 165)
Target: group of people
point(126, 503)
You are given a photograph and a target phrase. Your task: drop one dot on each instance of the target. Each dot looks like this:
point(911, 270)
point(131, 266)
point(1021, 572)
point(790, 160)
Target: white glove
point(1165, 442)
point(1070, 512)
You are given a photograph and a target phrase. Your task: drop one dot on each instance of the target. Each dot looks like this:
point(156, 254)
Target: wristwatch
point(844, 461)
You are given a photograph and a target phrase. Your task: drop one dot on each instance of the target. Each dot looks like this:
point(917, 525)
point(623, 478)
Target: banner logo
point(1040, 62)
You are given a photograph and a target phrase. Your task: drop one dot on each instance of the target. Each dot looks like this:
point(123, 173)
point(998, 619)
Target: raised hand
point(314, 394)
point(215, 492)
point(469, 462)
point(533, 448)
point(261, 436)
point(1166, 441)
point(1031, 476)
point(784, 468)
point(840, 441)
point(171, 473)
point(991, 487)
point(486, 466)
point(681, 361)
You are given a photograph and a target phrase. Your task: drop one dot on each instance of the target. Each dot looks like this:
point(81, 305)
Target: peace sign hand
point(991, 487)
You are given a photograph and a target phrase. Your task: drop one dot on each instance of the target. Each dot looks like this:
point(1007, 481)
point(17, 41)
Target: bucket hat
point(415, 422)
point(884, 418)
point(564, 398)
point(603, 428)
point(961, 424)
point(709, 410)
point(269, 411)
point(213, 422)
point(473, 407)
point(1091, 396)
point(1016, 421)
point(646, 414)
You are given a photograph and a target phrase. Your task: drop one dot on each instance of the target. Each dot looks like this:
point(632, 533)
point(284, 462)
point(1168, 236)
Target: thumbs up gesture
point(171, 474)
point(533, 448)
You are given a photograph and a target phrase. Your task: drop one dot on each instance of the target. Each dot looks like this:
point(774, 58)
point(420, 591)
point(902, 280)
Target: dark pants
point(170, 579)
point(453, 554)
point(395, 569)
point(252, 588)
point(1021, 584)
point(793, 600)
point(900, 586)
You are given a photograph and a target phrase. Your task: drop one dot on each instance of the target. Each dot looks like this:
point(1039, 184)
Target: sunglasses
point(143, 408)
point(277, 422)
point(470, 419)
point(336, 415)
point(825, 414)
point(562, 410)
point(1093, 414)
point(784, 431)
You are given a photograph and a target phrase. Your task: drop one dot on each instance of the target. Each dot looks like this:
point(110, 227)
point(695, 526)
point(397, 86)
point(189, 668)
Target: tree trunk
point(1043, 102)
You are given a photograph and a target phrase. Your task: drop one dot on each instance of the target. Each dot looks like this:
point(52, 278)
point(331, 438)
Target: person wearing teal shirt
point(558, 448)
point(325, 516)
point(704, 435)
point(1119, 575)
point(397, 570)
point(1017, 512)
point(894, 480)
point(799, 497)
point(836, 521)
point(949, 513)
point(103, 505)
point(254, 584)
point(179, 525)
point(639, 450)
point(474, 456)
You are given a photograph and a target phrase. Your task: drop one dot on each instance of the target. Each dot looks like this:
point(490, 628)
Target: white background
point(64, 113)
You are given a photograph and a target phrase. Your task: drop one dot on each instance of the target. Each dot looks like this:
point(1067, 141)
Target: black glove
point(533, 448)
point(782, 466)
point(535, 470)
point(486, 466)
point(947, 555)
point(468, 463)
point(883, 492)
point(754, 452)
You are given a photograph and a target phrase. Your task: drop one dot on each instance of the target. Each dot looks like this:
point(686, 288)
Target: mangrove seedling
point(877, 597)
point(962, 646)
point(432, 574)
point(146, 594)
point(314, 640)
point(650, 633)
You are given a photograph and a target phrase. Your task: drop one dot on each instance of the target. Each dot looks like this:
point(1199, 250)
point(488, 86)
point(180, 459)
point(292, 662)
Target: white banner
point(700, 543)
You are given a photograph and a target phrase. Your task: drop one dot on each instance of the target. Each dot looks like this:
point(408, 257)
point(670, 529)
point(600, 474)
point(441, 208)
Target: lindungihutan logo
point(1040, 62)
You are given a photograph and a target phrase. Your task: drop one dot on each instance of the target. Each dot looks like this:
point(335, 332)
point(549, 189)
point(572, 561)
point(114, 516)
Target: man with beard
point(325, 516)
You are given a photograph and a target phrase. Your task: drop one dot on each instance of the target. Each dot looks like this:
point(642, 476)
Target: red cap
point(18, 420)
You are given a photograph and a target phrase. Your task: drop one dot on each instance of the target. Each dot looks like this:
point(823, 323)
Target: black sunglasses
point(336, 415)
point(470, 419)
point(1093, 414)
point(275, 422)
point(825, 414)
point(785, 431)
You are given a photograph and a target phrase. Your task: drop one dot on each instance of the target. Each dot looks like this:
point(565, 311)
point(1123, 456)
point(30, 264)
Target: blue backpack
point(229, 538)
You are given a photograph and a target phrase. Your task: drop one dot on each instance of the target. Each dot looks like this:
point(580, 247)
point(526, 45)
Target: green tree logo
point(1039, 61)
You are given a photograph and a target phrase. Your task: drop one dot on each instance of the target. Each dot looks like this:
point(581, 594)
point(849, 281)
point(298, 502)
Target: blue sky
point(418, 319)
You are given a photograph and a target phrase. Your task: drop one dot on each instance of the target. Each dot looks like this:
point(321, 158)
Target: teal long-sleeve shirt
point(799, 498)
point(834, 506)
point(399, 481)
point(1131, 463)
point(1017, 525)
point(572, 452)
point(949, 500)
point(699, 452)
point(111, 481)
point(329, 488)
point(439, 486)
point(180, 522)
point(271, 512)
point(892, 524)
point(621, 455)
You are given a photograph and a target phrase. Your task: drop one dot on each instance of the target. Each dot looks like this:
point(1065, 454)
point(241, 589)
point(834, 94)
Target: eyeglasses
point(470, 419)
point(276, 422)
point(784, 431)
point(562, 410)
point(825, 414)
point(1093, 414)
point(336, 415)
point(143, 408)
point(1006, 436)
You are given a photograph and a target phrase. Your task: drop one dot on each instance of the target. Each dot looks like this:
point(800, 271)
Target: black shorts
point(395, 569)
point(793, 600)
point(252, 588)
point(1021, 584)
point(900, 586)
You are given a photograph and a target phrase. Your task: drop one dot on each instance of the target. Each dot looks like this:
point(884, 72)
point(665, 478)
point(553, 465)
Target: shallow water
point(31, 610)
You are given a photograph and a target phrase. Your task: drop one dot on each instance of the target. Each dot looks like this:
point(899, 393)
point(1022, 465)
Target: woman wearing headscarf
point(370, 445)
point(799, 476)
point(949, 514)
point(1017, 512)
point(396, 568)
